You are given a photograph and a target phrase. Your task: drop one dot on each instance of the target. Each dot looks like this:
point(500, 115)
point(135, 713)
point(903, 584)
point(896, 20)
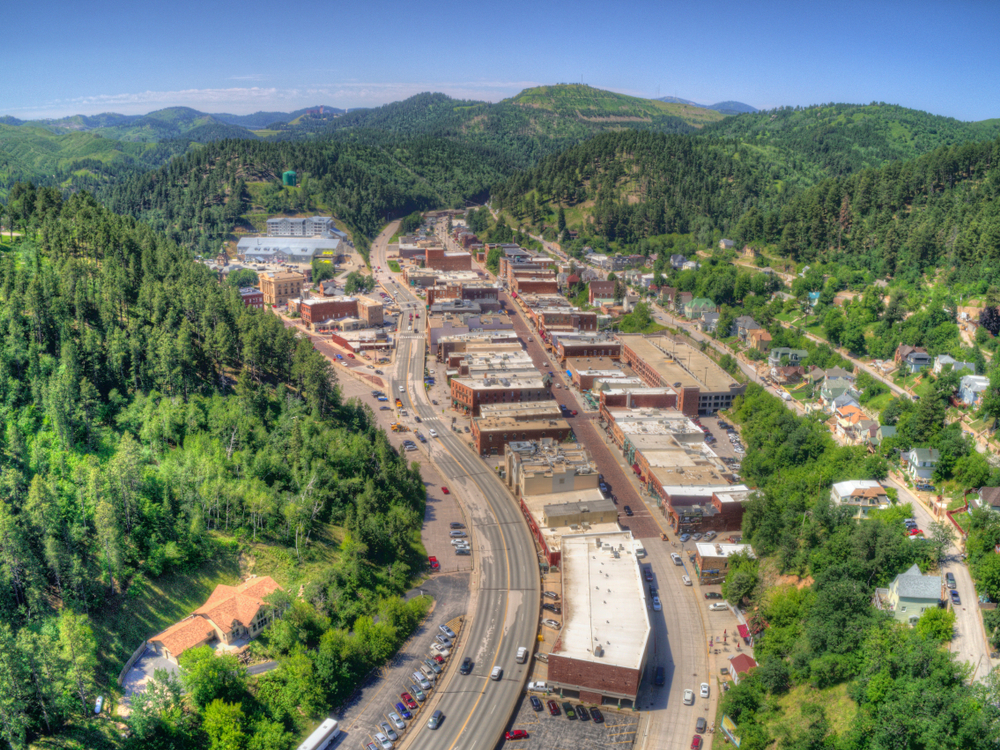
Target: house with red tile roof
point(740, 666)
point(232, 613)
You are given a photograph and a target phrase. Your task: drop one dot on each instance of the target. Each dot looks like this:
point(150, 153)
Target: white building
point(309, 226)
point(862, 495)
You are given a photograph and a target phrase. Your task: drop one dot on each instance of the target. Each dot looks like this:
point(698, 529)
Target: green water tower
point(288, 178)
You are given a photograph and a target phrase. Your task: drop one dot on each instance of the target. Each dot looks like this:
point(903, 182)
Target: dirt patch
point(613, 118)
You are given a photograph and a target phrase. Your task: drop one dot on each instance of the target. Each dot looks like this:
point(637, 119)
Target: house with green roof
point(697, 306)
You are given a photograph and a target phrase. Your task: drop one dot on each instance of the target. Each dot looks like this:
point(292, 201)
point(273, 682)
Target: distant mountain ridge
point(728, 107)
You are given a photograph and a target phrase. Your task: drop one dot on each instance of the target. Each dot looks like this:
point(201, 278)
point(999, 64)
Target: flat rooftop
point(678, 363)
point(698, 476)
point(511, 423)
point(554, 536)
point(501, 383)
point(705, 490)
point(540, 408)
point(604, 600)
point(709, 549)
point(648, 421)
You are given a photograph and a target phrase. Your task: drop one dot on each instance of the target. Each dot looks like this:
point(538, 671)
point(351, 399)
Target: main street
point(681, 629)
point(506, 589)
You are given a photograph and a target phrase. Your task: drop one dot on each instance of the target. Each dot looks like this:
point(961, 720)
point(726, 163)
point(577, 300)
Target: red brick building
point(567, 348)
point(598, 291)
point(442, 260)
point(566, 320)
point(491, 434)
point(535, 285)
point(468, 394)
point(252, 297)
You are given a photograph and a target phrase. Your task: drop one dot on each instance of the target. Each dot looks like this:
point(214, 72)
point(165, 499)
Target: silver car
point(387, 731)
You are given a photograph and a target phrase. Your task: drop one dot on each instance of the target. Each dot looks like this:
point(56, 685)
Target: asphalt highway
point(505, 605)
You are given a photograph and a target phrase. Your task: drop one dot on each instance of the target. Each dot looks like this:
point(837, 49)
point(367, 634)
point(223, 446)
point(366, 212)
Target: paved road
point(504, 611)
point(969, 644)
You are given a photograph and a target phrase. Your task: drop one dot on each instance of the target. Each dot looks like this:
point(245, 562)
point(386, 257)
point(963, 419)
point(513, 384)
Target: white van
point(640, 551)
point(522, 655)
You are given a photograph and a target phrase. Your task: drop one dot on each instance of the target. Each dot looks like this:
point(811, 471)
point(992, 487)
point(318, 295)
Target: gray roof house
point(910, 595)
point(833, 388)
point(920, 462)
point(971, 389)
point(677, 261)
point(943, 359)
point(987, 497)
point(794, 355)
point(708, 321)
point(743, 324)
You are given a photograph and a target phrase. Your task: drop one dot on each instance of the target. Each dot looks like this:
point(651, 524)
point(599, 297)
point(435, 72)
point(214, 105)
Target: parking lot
point(559, 733)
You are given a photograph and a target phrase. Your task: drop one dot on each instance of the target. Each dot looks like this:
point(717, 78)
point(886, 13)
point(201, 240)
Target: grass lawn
point(148, 606)
point(89, 734)
point(880, 402)
point(394, 266)
point(796, 709)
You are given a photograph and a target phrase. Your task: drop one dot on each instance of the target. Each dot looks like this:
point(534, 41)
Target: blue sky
point(61, 58)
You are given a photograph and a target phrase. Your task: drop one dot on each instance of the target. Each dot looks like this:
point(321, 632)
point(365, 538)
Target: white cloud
point(243, 100)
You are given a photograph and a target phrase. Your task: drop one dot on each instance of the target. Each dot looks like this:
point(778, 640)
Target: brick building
point(600, 292)
point(552, 321)
point(712, 560)
point(603, 646)
point(571, 345)
point(485, 294)
point(491, 434)
point(702, 386)
point(535, 284)
point(277, 287)
point(317, 310)
point(440, 259)
point(468, 394)
point(252, 297)
point(700, 508)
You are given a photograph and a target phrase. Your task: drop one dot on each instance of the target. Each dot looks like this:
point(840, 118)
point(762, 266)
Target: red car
point(572, 412)
point(445, 490)
point(433, 562)
point(914, 532)
point(553, 708)
point(350, 355)
point(696, 743)
point(438, 658)
point(408, 700)
point(517, 734)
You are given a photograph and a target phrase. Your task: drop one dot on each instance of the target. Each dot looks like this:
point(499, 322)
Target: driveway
point(969, 643)
point(142, 672)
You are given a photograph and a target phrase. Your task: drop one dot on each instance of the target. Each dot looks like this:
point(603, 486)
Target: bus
point(325, 736)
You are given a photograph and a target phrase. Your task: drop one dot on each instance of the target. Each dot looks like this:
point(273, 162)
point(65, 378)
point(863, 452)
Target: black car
point(581, 713)
point(628, 511)
point(597, 716)
point(457, 525)
point(466, 666)
point(661, 677)
point(653, 591)
point(647, 571)
point(536, 704)
point(552, 608)
point(955, 600)
point(600, 478)
point(713, 595)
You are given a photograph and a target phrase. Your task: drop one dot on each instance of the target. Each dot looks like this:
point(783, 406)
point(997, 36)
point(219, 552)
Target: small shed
point(288, 178)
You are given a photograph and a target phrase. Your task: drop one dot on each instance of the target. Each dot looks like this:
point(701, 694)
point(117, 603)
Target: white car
point(387, 731)
point(676, 558)
point(437, 648)
point(718, 607)
point(395, 719)
point(402, 389)
point(685, 580)
point(689, 697)
point(656, 603)
point(704, 690)
point(432, 433)
point(551, 624)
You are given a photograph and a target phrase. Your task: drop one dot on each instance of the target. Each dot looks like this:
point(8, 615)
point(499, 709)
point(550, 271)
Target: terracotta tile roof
point(237, 603)
point(185, 634)
point(742, 663)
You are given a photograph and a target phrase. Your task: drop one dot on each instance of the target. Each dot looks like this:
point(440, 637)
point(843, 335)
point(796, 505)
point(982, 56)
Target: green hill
point(576, 101)
point(162, 125)
point(74, 160)
point(837, 139)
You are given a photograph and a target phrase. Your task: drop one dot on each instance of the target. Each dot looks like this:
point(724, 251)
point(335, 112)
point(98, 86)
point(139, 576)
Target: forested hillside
point(75, 161)
point(629, 185)
point(834, 140)
point(161, 125)
point(935, 212)
point(147, 418)
point(199, 198)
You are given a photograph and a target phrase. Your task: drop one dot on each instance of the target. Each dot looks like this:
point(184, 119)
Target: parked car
point(516, 734)
point(581, 713)
point(404, 712)
point(684, 538)
point(388, 731)
point(553, 708)
point(685, 580)
point(950, 579)
point(551, 624)
point(656, 604)
point(628, 510)
point(676, 558)
point(447, 631)
point(456, 525)
point(536, 705)
point(383, 741)
point(443, 640)
point(647, 571)
point(457, 534)
point(597, 716)
point(696, 536)
point(550, 594)
point(433, 666)
point(408, 700)
point(696, 743)
point(704, 690)
point(552, 608)
point(445, 490)
point(660, 677)
point(955, 598)
point(689, 697)
point(713, 595)
point(433, 562)
point(701, 725)
point(567, 708)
